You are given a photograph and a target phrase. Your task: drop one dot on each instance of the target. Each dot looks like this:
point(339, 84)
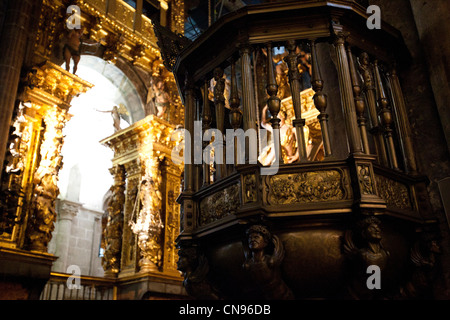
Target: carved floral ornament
point(396, 194)
point(219, 204)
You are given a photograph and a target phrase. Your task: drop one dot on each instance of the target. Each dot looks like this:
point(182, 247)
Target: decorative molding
point(249, 188)
point(304, 187)
point(219, 205)
point(396, 194)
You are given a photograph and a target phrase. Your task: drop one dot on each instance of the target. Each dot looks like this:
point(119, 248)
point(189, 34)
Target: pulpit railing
point(225, 69)
point(294, 87)
point(335, 157)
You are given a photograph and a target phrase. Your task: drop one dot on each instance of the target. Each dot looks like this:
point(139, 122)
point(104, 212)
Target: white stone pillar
point(67, 210)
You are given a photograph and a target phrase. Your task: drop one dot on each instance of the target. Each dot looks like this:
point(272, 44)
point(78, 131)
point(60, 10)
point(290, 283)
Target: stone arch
point(125, 78)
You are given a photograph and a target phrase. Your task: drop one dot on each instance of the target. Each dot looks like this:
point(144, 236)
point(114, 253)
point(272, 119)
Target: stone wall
point(421, 84)
point(76, 239)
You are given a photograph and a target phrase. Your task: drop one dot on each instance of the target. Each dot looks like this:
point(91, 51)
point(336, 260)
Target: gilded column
point(112, 234)
point(148, 225)
point(345, 86)
point(171, 189)
point(13, 43)
point(42, 214)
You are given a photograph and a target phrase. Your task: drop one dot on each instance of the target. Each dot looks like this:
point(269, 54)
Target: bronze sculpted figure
point(263, 259)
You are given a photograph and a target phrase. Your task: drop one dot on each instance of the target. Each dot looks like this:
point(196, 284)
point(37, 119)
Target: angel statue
point(117, 113)
point(264, 253)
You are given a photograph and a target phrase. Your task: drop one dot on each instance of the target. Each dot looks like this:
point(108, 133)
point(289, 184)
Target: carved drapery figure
point(43, 215)
point(158, 99)
point(195, 267)
point(11, 186)
point(148, 226)
point(264, 254)
point(114, 225)
point(365, 249)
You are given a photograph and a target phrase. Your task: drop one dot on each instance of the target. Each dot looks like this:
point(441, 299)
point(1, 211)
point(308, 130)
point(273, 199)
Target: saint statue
point(158, 99)
point(288, 140)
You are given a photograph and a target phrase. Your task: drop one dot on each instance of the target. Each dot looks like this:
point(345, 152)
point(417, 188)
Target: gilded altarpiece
point(150, 212)
point(31, 177)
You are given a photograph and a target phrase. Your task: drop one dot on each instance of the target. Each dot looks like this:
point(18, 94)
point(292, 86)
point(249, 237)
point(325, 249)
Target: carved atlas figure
point(264, 254)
